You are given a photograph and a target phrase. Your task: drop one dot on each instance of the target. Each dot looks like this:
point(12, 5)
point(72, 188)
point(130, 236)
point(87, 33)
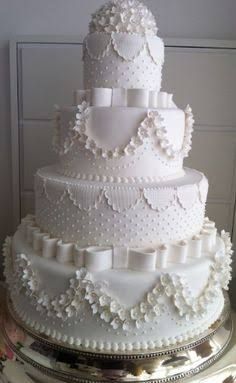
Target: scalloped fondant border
point(147, 45)
point(121, 197)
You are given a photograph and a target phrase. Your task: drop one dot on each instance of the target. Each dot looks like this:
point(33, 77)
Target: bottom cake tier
point(117, 309)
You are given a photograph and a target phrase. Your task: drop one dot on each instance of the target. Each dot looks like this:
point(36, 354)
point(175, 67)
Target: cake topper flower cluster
point(124, 16)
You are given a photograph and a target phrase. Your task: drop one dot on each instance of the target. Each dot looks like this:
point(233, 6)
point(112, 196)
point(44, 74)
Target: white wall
point(176, 18)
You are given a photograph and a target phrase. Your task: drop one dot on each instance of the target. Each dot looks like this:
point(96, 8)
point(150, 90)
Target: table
point(223, 371)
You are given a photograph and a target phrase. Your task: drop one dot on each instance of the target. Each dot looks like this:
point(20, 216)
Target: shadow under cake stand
point(47, 361)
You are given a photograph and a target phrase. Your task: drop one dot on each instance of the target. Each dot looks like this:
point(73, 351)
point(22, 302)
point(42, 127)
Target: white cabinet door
point(49, 74)
point(48, 71)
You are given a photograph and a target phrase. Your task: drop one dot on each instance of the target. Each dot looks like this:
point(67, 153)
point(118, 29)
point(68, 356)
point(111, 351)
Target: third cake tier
point(93, 213)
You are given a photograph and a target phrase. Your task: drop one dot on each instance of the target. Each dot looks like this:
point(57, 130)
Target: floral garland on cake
point(84, 290)
point(151, 125)
point(220, 276)
point(58, 146)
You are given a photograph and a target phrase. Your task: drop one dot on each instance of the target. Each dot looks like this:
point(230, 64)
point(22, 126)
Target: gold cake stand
point(51, 362)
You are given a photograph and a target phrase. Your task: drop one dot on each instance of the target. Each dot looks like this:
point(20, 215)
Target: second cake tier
point(91, 213)
point(122, 144)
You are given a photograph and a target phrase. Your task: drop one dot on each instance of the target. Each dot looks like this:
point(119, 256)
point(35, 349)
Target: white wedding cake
point(119, 255)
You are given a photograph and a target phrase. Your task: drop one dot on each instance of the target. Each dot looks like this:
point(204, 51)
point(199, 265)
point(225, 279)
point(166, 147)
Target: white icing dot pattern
point(142, 73)
point(143, 226)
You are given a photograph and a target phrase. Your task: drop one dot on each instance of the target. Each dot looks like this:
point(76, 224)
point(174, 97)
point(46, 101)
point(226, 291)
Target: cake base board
point(47, 361)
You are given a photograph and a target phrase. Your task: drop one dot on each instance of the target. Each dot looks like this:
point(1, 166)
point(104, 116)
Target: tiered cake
point(119, 256)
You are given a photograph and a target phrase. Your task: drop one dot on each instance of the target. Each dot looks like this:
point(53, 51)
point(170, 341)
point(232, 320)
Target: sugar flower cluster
point(124, 16)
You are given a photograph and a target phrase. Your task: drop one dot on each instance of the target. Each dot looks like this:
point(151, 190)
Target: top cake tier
point(122, 49)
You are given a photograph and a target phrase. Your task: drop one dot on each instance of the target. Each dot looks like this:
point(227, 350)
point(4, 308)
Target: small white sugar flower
point(136, 313)
point(116, 323)
point(114, 307)
point(127, 325)
point(104, 300)
point(106, 315)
